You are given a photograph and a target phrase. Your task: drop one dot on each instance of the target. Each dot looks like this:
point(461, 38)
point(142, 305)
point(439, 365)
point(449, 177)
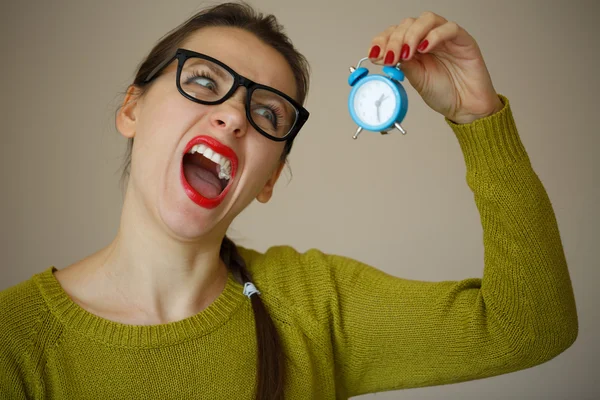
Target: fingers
point(379, 43)
point(419, 32)
point(400, 42)
point(450, 31)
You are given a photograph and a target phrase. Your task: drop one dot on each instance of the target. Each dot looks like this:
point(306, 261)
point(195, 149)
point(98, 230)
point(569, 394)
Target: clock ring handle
point(352, 69)
point(361, 61)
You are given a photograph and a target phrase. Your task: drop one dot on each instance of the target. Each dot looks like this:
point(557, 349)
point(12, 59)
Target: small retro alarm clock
point(377, 103)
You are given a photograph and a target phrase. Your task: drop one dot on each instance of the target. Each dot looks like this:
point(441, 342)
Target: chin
point(187, 227)
point(185, 220)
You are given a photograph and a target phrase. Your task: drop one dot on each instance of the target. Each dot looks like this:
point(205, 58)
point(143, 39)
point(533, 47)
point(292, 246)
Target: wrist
point(499, 106)
point(496, 107)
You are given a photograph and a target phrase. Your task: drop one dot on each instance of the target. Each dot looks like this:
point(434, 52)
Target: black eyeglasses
point(205, 80)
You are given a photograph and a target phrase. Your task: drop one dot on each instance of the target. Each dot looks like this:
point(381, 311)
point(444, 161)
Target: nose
point(230, 116)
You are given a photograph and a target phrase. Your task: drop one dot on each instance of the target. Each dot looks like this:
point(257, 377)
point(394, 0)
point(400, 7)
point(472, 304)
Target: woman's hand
point(443, 63)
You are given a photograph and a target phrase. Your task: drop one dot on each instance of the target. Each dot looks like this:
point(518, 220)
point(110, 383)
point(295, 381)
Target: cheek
point(162, 123)
point(168, 116)
point(263, 158)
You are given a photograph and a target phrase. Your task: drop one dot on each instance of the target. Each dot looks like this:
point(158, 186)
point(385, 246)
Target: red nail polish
point(389, 57)
point(374, 52)
point(405, 51)
point(423, 45)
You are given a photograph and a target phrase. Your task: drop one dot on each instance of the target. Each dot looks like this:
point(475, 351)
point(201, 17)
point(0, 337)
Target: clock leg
point(400, 128)
point(357, 133)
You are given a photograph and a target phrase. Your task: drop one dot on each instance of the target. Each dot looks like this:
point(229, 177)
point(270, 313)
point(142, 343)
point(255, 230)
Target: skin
point(164, 263)
point(449, 74)
point(166, 241)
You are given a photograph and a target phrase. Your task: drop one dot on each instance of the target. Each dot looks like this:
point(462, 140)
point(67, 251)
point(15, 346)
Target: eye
point(202, 79)
point(271, 113)
point(266, 113)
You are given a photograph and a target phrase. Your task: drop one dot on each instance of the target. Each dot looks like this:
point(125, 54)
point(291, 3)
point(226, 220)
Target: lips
point(220, 148)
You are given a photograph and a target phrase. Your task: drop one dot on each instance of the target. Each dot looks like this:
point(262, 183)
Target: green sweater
point(346, 327)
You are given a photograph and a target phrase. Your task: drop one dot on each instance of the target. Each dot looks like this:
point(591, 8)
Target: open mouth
point(207, 170)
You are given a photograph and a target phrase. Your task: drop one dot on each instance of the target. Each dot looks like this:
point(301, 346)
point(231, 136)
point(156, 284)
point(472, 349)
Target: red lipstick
point(220, 148)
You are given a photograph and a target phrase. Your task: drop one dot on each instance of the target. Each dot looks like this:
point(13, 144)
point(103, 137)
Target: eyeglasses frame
point(238, 80)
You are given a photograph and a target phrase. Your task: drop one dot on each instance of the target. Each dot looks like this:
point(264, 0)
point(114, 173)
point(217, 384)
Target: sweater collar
point(81, 321)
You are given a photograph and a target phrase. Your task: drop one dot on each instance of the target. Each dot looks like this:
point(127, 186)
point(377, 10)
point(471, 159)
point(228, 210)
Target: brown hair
point(270, 362)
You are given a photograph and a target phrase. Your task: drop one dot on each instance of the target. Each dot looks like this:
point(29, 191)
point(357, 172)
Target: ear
point(127, 115)
point(267, 191)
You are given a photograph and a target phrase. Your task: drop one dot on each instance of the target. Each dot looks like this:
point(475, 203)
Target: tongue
point(202, 180)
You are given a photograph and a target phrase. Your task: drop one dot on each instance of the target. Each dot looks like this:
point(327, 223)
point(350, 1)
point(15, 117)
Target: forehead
point(246, 54)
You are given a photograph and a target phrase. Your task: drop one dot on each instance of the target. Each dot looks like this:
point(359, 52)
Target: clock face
point(375, 102)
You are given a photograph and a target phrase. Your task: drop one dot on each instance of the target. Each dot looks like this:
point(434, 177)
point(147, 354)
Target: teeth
point(224, 162)
point(216, 158)
point(223, 175)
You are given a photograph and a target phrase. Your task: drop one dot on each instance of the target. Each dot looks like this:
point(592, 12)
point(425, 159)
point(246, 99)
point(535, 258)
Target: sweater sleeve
point(12, 385)
point(390, 333)
point(20, 316)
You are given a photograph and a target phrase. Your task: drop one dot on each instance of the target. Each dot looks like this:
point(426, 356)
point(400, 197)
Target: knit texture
point(346, 328)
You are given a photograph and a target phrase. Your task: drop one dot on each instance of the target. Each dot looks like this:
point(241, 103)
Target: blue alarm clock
point(377, 103)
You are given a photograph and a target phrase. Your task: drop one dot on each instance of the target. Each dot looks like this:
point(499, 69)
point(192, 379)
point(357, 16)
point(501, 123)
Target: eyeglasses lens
point(207, 81)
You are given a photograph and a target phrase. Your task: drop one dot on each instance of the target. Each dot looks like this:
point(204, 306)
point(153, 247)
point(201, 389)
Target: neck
point(161, 276)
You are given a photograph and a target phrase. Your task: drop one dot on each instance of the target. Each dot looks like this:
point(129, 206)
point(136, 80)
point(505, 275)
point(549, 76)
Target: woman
point(173, 309)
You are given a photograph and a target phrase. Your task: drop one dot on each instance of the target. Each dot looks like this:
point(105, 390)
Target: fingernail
point(374, 52)
point(389, 57)
point(423, 45)
point(405, 51)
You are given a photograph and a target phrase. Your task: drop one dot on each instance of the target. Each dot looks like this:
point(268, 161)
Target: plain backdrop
point(399, 203)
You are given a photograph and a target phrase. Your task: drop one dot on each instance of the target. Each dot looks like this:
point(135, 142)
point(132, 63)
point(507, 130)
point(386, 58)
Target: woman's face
point(164, 123)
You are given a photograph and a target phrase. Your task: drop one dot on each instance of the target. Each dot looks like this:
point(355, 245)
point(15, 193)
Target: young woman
point(173, 309)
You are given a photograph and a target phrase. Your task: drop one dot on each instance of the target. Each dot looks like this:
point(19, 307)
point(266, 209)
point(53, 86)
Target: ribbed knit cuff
point(490, 143)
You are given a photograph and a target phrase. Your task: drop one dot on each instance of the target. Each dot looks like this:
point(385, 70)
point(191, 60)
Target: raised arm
point(391, 333)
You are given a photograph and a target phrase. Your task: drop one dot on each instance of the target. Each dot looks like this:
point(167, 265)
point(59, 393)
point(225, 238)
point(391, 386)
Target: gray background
point(398, 203)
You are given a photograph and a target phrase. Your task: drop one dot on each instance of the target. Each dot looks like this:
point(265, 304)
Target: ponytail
point(270, 360)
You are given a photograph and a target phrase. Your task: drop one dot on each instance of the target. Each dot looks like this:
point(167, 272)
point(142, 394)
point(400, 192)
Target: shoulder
point(281, 263)
point(23, 315)
point(305, 281)
point(22, 310)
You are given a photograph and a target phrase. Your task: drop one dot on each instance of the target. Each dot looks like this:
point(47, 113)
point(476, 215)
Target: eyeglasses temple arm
point(158, 68)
